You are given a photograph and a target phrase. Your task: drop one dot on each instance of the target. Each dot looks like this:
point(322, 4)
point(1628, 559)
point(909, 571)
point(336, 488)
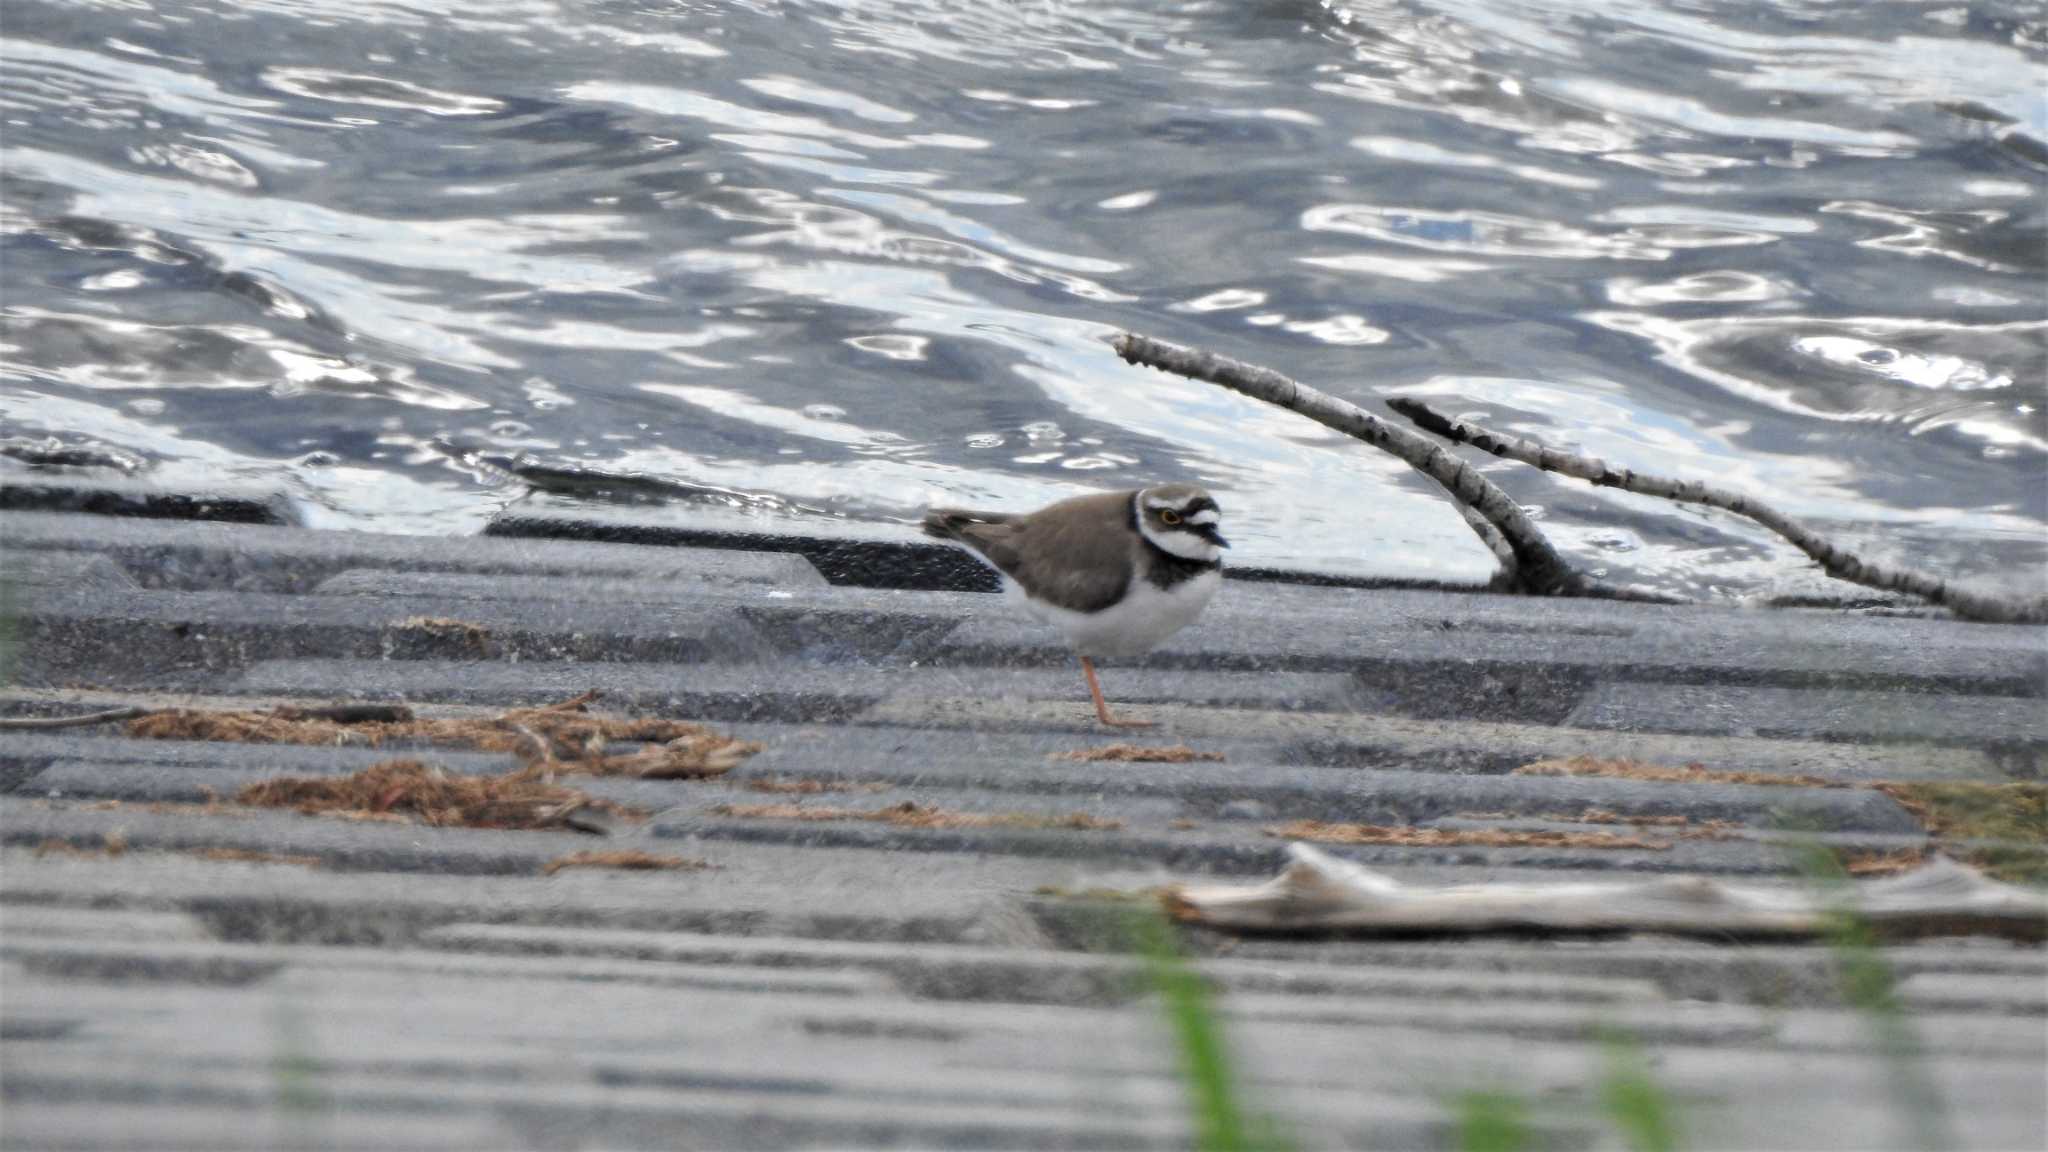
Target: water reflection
point(864, 257)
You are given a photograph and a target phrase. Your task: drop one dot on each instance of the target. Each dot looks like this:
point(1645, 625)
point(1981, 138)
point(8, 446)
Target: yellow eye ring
point(1169, 516)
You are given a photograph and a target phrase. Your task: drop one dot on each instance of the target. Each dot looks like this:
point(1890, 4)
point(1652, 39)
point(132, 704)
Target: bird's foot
point(1109, 721)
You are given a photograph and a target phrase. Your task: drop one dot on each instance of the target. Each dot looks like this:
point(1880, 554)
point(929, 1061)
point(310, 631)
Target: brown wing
point(1075, 554)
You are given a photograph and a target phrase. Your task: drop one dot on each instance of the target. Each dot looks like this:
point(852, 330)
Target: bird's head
point(1181, 519)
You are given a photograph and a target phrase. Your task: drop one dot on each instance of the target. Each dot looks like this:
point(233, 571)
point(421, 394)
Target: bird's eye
point(1169, 516)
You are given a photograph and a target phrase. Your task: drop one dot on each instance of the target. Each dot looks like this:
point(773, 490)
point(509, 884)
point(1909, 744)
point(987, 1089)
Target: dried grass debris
point(446, 628)
point(1139, 753)
point(631, 861)
point(565, 737)
point(2007, 820)
point(808, 786)
point(1418, 837)
point(111, 845)
point(1604, 816)
point(1689, 774)
point(429, 794)
point(911, 814)
point(2012, 816)
point(1974, 810)
point(1882, 863)
point(253, 856)
point(1713, 830)
point(1588, 816)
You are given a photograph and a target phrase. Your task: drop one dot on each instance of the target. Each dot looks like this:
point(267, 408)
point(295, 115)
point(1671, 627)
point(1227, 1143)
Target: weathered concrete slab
point(1814, 713)
point(1362, 795)
point(211, 556)
point(33, 752)
point(846, 552)
point(140, 498)
point(817, 893)
point(1467, 746)
point(809, 619)
point(964, 984)
point(1459, 660)
point(153, 636)
point(206, 961)
point(149, 1124)
point(1147, 832)
point(1223, 850)
point(1312, 740)
point(62, 569)
point(784, 690)
point(1683, 970)
point(1952, 992)
point(680, 585)
point(961, 972)
point(80, 925)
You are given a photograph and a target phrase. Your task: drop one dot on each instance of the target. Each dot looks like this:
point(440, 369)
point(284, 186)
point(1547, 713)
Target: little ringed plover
point(1116, 572)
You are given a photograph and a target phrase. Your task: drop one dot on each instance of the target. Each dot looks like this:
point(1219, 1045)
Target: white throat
point(1185, 545)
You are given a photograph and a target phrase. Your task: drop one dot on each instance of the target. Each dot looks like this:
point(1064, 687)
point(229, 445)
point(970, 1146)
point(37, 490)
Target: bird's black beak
point(1212, 536)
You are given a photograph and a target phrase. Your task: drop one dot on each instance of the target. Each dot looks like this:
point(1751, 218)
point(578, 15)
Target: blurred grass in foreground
point(1492, 1121)
point(1223, 1121)
point(1633, 1100)
point(1869, 987)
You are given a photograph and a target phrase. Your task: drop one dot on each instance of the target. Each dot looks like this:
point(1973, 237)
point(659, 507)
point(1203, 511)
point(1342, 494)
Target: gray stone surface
point(788, 690)
point(159, 637)
point(62, 569)
point(199, 555)
point(679, 585)
point(845, 552)
point(193, 975)
point(142, 499)
point(1465, 746)
point(1458, 660)
point(1830, 714)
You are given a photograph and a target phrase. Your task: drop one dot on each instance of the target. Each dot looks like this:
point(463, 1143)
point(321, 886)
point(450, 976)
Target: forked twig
point(1836, 561)
point(1537, 568)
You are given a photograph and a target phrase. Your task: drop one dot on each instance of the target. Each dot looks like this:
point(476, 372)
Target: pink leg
point(1101, 706)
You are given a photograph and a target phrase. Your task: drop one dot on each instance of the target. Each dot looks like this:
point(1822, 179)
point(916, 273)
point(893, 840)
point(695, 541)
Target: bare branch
point(1835, 561)
point(1509, 574)
point(1538, 566)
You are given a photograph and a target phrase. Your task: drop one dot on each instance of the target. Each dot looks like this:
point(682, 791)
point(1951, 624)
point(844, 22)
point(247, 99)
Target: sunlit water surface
point(860, 257)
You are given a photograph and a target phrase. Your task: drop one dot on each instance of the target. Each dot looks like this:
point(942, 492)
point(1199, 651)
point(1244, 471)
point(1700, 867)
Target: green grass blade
point(1204, 1057)
point(1870, 988)
point(1224, 1122)
point(1634, 1101)
point(1493, 1122)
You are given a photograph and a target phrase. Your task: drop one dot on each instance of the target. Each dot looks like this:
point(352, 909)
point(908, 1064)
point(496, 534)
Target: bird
point(1115, 572)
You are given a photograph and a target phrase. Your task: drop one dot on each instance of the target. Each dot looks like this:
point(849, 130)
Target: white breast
point(1133, 626)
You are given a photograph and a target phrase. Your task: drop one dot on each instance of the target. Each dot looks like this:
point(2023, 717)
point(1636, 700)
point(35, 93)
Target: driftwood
point(1321, 894)
point(1537, 565)
point(1834, 560)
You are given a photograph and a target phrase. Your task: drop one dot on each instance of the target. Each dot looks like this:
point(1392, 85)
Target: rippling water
point(861, 256)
